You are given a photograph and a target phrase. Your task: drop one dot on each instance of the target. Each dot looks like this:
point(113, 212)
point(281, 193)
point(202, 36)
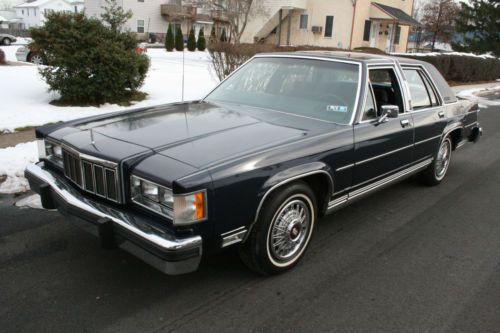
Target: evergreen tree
point(169, 39)
point(478, 22)
point(223, 37)
point(179, 40)
point(201, 44)
point(114, 15)
point(90, 62)
point(191, 43)
point(213, 36)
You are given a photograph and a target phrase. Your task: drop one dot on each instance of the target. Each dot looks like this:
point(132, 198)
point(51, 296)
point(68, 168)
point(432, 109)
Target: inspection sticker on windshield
point(336, 108)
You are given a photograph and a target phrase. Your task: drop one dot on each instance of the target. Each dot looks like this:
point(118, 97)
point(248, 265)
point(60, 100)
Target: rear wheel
point(436, 171)
point(282, 233)
point(6, 41)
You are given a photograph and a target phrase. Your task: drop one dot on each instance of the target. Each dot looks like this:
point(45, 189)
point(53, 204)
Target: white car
point(26, 55)
point(6, 39)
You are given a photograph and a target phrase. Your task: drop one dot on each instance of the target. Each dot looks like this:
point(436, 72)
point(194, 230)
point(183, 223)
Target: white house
point(33, 13)
point(152, 17)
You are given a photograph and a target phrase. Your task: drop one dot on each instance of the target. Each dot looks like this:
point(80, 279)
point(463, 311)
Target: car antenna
point(183, 51)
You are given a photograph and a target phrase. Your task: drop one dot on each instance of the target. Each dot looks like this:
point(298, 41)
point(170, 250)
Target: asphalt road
point(407, 259)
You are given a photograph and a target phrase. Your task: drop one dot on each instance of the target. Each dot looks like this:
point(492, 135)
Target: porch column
point(280, 17)
point(290, 12)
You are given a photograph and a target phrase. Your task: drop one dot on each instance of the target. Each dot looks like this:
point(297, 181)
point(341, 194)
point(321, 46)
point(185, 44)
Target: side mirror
point(388, 111)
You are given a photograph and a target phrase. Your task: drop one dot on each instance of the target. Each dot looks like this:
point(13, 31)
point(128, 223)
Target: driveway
point(408, 258)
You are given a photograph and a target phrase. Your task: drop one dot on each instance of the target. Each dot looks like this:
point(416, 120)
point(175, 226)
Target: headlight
point(182, 209)
point(51, 151)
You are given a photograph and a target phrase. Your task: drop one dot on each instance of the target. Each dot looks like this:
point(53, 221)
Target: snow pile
point(481, 95)
point(461, 54)
point(13, 161)
point(25, 98)
point(31, 201)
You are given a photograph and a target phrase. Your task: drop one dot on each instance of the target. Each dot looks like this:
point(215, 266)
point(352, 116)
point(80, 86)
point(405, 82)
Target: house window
point(76, 9)
point(366, 32)
point(140, 0)
point(398, 35)
point(28, 11)
point(140, 26)
point(22, 11)
point(34, 11)
point(303, 21)
point(329, 26)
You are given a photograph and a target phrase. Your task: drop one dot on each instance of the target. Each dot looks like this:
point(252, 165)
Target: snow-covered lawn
point(13, 161)
point(25, 99)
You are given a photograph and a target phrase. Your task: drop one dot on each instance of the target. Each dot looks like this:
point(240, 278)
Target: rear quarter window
point(441, 84)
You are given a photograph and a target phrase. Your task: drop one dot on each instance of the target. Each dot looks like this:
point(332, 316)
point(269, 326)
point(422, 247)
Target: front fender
point(297, 172)
point(291, 174)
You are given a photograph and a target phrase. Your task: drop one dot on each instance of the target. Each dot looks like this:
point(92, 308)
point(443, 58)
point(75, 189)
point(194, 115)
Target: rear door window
point(420, 96)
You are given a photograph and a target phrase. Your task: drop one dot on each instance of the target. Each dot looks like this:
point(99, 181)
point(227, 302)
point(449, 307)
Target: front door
point(374, 33)
point(386, 147)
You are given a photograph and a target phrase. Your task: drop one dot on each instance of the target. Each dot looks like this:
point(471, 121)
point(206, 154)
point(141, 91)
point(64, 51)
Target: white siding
point(149, 11)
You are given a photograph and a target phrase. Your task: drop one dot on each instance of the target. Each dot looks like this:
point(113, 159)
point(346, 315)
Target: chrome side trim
point(429, 139)
point(391, 178)
point(233, 236)
point(345, 167)
point(371, 187)
point(384, 154)
point(338, 201)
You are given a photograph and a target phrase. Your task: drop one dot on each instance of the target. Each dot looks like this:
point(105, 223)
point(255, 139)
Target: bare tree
point(238, 13)
point(438, 17)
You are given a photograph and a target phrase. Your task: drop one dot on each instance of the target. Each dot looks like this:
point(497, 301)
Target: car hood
point(198, 134)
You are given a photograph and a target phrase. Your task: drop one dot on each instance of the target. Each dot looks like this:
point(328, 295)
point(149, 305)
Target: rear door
point(427, 111)
point(382, 148)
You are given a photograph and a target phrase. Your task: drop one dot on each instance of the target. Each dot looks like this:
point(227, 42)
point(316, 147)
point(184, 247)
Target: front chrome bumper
point(137, 234)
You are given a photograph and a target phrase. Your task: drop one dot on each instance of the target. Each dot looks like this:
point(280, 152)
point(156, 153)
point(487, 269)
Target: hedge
point(226, 57)
point(462, 68)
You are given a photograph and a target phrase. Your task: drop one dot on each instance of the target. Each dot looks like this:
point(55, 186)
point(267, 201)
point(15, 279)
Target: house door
point(388, 44)
point(374, 33)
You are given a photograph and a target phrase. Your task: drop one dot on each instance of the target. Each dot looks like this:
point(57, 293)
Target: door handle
point(405, 123)
point(441, 114)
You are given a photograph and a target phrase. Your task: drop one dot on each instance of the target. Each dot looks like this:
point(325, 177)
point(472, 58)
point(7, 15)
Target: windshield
point(324, 90)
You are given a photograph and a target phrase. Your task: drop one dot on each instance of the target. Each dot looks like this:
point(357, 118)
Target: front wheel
point(436, 171)
point(282, 233)
point(6, 41)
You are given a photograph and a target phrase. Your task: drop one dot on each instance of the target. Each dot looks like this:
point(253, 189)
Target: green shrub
point(89, 63)
point(169, 39)
point(201, 43)
point(462, 68)
point(191, 43)
point(179, 40)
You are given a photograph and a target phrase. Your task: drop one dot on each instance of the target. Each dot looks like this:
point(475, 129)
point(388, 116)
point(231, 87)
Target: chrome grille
point(91, 176)
point(72, 167)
